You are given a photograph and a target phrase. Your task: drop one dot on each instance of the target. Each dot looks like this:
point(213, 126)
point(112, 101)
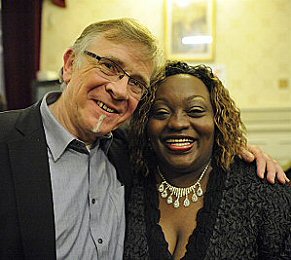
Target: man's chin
point(104, 125)
point(103, 130)
point(99, 124)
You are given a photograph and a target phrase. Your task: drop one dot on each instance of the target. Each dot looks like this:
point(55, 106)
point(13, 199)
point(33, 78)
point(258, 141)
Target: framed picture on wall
point(189, 28)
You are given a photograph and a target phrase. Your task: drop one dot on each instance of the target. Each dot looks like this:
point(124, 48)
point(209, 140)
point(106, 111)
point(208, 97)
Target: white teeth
point(180, 141)
point(104, 107)
point(180, 144)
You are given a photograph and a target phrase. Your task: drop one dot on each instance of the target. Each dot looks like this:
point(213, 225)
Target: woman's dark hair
point(229, 129)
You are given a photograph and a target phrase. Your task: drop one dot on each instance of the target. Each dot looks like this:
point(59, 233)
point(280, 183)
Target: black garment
point(243, 218)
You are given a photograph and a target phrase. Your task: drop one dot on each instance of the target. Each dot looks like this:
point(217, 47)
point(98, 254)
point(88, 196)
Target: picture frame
point(189, 30)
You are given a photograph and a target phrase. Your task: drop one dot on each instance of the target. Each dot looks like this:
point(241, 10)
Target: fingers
point(247, 155)
point(266, 166)
point(280, 174)
point(271, 169)
point(261, 160)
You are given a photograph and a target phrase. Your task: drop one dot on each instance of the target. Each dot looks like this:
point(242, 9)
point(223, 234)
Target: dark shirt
point(243, 217)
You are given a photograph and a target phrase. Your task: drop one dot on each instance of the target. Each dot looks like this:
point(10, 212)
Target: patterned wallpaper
point(253, 41)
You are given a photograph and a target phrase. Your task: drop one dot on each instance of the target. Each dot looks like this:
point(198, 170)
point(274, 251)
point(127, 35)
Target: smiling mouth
point(179, 144)
point(105, 107)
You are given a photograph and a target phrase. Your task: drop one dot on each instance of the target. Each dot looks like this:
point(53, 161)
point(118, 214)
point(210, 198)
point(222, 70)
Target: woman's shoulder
point(243, 176)
point(253, 212)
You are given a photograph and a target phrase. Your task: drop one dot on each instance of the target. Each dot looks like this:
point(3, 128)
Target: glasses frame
point(122, 72)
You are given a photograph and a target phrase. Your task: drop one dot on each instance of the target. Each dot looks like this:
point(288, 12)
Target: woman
point(192, 197)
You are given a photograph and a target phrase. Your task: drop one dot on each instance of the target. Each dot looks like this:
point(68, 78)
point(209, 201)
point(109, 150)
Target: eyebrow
point(187, 99)
point(195, 97)
point(119, 62)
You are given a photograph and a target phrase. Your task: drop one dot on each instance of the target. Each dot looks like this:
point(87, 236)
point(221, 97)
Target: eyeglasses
point(113, 72)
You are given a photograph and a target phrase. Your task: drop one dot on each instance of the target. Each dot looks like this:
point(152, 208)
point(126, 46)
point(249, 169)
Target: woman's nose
point(178, 121)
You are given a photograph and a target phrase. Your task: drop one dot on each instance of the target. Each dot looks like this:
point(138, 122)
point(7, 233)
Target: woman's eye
point(196, 112)
point(160, 114)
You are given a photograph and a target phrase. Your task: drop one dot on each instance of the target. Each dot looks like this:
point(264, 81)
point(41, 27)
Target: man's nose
point(119, 89)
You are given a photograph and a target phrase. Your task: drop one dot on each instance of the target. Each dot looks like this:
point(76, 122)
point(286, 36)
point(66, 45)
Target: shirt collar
point(58, 137)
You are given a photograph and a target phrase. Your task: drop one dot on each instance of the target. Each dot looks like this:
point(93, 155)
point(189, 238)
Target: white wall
point(253, 39)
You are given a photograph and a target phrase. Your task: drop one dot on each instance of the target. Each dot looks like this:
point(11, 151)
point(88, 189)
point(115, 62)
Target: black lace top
point(243, 218)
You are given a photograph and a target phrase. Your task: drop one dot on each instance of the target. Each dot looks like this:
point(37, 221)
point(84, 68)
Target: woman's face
point(181, 124)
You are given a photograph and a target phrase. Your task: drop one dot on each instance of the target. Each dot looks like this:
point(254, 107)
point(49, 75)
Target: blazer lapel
point(29, 162)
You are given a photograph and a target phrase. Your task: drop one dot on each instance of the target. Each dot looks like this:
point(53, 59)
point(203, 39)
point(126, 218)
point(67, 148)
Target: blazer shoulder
point(9, 120)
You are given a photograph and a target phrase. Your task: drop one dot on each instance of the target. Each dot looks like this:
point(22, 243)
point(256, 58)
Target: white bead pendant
point(186, 202)
point(199, 191)
point(164, 194)
point(176, 204)
point(161, 187)
point(167, 191)
point(194, 197)
point(170, 199)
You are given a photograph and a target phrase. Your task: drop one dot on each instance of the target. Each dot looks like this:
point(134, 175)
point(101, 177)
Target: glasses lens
point(135, 86)
point(109, 68)
point(112, 71)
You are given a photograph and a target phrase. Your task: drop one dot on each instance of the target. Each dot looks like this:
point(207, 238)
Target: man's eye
point(135, 83)
point(109, 66)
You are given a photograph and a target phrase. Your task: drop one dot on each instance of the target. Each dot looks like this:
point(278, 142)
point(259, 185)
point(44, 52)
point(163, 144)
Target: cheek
point(132, 104)
point(206, 129)
point(209, 133)
point(74, 89)
point(86, 80)
point(154, 130)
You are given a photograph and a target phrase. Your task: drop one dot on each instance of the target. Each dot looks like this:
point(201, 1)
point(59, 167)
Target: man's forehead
point(130, 56)
point(140, 68)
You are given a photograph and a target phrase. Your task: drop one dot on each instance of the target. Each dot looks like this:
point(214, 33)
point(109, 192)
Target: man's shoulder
point(9, 115)
point(9, 119)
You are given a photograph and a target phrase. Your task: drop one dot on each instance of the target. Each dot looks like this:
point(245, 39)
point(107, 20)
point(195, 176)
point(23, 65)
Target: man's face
point(94, 105)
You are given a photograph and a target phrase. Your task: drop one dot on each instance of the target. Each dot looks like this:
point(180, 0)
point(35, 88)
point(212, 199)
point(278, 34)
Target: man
point(60, 196)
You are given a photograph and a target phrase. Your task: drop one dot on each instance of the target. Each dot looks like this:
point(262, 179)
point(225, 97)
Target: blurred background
point(252, 54)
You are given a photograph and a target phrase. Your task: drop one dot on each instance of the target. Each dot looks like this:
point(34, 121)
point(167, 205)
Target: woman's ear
point(69, 58)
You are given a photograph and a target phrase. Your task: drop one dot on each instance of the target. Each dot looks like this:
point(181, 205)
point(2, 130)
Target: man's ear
point(69, 58)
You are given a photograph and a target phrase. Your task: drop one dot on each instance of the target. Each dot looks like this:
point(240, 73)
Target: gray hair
point(124, 30)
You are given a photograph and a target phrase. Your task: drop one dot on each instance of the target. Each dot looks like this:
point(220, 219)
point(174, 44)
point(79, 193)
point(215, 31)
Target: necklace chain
point(168, 191)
